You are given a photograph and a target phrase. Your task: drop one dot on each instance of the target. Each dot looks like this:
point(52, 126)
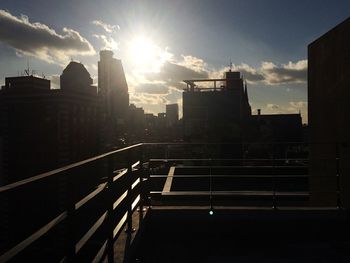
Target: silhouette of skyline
point(268, 32)
point(127, 149)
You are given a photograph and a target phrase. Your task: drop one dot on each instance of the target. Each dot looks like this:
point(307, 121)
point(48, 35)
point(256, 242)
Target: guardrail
point(74, 213)
point(77, 212)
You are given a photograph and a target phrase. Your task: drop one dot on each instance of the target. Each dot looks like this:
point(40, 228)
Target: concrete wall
point(329, 115)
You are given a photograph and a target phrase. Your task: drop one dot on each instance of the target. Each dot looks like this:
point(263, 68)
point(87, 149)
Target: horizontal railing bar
point(120, 174)
point(90, 232)
point(87, 198)
point(236, 159)
point(208, 192)
point(271, 208)
point(63, 169)
point(123, 171)
point(238, 143)
point(237, 193)
point(232, 176)
point(120, 199)
point(29, 240)
point(119, 226)
point(136, 182)
point(237, 166)
point(100, 253)
point(135, 203)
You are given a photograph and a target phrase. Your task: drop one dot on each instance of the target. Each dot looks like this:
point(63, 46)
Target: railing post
point(130, 228)
point(69, 203)
point(273, 178)
point(337, 160)
point(142, 185)
point(110, 210)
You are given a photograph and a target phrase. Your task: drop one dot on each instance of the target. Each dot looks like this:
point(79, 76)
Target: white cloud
point(40, 41)
point(269, 73)
point(108, 41)
point(298, 104)
point(107, 27)
point(285, 73)
point(194, 63)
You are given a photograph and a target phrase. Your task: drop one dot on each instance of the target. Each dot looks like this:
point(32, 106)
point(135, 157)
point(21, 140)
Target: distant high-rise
point(112, 86)
point(114, 98)
point(76, 78)
point(223, 114)
point(218, 113)
point(172, 114)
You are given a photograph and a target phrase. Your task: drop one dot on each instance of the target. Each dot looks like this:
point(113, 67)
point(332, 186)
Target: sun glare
point(145, 55)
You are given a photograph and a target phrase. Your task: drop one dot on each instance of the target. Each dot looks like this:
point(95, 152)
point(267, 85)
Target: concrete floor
point(172, 235)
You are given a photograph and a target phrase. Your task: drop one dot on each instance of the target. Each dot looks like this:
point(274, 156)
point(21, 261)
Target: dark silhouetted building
point(172, 114)
point(276, 128)
point(43, 129)
point(75, 78)
point(114, 96)
point(223, 114)
point(216, 114)
point(329, 111)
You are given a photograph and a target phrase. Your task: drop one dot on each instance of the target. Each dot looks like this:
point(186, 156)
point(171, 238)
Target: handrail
point(121, 202)
point(64, 168)
point(116, 204)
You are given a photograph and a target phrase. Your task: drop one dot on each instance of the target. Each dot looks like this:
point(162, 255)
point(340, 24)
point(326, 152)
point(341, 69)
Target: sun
point(145, 55)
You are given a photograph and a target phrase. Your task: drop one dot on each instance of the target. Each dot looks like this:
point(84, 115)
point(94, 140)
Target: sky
point(164, 42)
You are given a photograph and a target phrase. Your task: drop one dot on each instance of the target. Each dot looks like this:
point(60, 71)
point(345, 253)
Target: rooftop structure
point(76, 78)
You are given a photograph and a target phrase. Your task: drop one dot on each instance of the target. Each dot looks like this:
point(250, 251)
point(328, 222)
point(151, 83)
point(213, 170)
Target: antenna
point(230, 65)
point(26, 71)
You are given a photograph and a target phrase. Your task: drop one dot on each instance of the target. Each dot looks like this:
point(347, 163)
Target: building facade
point(114, 99)
point(43, 129)
point(216, 114)
point(329, 111)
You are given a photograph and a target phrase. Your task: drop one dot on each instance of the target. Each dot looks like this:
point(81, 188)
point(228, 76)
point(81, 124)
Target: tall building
point(112, 86)
point(43, 129)
point(218, 113)
point(172, 114)
point(223, 114)
point(114, 99)
point(329, 111)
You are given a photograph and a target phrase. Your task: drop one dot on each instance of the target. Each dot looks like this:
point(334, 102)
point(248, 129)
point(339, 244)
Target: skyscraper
point(112, 86)
point(172, 114)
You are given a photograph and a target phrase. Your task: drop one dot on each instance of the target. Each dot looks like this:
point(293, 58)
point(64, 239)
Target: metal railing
point(74, 213)
point(282, 180)
point(77, 212)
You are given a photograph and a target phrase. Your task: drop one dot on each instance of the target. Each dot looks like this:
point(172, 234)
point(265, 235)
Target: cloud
point(109, 42)
point(269, 73)
point(38, 40)
point(271, 106)
point(107, 27)
point(143, 99)
point(286, 73)
point(173, 74)
point(194, 63)
point(55, 81)
point(152, 88)
point(298, 104)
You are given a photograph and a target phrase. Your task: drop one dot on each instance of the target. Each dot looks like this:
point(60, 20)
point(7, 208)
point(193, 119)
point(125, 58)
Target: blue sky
point(163, 42)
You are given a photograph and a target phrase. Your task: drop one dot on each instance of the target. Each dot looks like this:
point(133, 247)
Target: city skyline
point(159, 51)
